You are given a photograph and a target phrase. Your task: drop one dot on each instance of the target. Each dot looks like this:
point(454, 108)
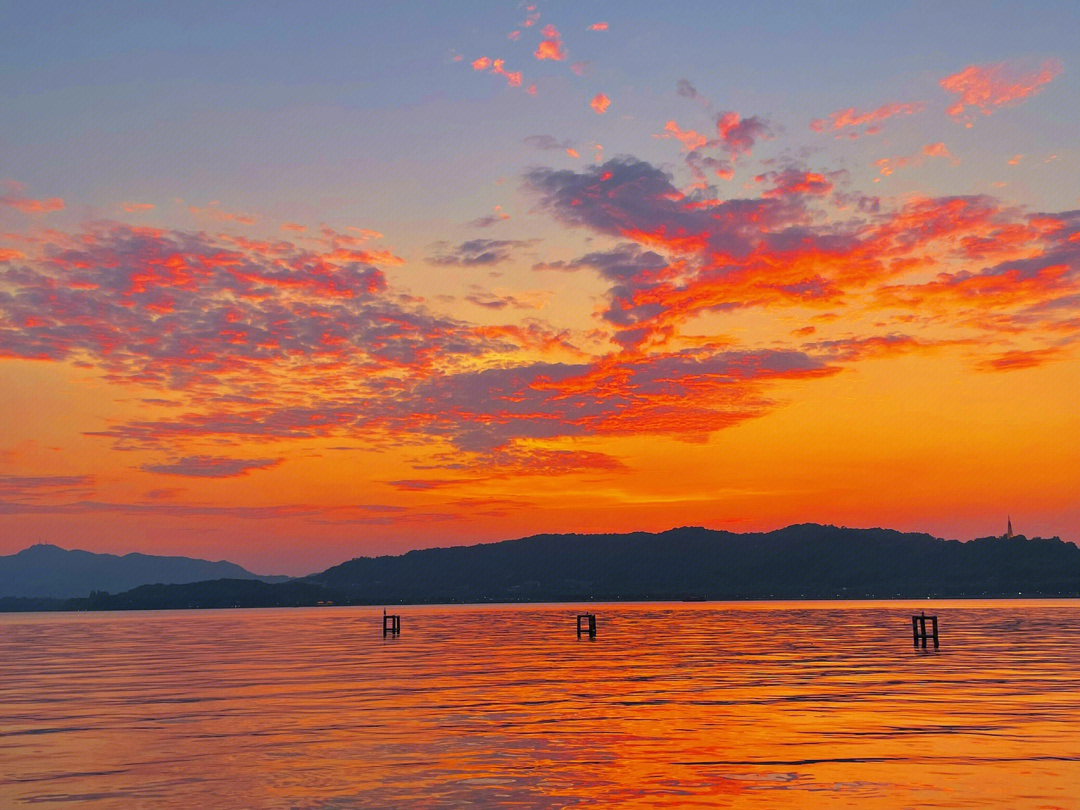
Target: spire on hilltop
point(1009, 533)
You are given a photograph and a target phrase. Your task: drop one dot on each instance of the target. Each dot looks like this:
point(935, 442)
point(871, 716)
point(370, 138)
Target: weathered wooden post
point(390, 624)
point(590, 624)
point(918, 629)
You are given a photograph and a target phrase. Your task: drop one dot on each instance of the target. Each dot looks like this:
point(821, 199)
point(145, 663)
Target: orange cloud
point(552, 46)
point(512, 78)
point(600, 103)
point(12, 197)
point(483, 63)
point(132, 207)
point(293, 226)
point(989, 86)
point(212, 211)
point(689, 139)
point(599, 26)
point(936, 150)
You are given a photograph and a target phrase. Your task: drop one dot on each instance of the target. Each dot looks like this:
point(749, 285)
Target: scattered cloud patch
point(212, 466)
point(987, 87)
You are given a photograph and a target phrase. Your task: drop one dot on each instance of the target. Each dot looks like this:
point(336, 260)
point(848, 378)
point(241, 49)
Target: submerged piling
point(918, 630)
point(590, 624)
point(390, 625)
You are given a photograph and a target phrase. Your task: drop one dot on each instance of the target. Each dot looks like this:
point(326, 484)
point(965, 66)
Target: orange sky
point(567, 296)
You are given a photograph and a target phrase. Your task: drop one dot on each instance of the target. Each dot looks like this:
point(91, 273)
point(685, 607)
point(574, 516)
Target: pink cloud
point(989, 86)
point(851, 117)
point(598, 26)
point(133, 207)
point(600, 103)
point(738, 135)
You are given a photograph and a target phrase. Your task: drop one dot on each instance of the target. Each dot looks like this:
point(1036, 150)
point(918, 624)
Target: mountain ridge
point(801, 561)
point(45, 570)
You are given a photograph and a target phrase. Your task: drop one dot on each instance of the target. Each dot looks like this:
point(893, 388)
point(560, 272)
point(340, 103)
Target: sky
point(288, 284)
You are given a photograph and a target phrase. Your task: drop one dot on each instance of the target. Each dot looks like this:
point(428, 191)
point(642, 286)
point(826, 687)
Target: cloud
point(11, 195)
point(738, 135)
point(689, 139)
point(212, 211)
point(600, 103)
point(350, 512)
point(987, 87)
point(212, 466)
point(598, 26)
point(495, 217)
point(851, 117)
point(795, 181)
point(478, 252)
point(1017, 360)
point(552, 46)
point(685, 89)
point(133, 207)
point(497, 67)
point(192, 312)
point(38, 486)
point(889, 165)
point(547, 143)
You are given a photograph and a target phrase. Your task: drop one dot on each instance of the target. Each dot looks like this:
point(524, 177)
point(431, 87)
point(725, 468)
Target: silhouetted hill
point(803, 561)
point(799, 562)
point(45, 570)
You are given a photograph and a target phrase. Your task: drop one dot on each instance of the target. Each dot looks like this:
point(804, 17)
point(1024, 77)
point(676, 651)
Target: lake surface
point(673, 705)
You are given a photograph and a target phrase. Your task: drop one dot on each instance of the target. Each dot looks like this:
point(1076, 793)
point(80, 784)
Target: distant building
point(1009, 532)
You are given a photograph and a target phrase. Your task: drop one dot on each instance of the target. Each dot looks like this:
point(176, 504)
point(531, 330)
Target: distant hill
point(799, 562)
point(803, 561)
point(45, 570)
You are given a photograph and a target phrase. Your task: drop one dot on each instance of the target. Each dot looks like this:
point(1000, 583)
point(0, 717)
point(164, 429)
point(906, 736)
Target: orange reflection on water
point(673, 705)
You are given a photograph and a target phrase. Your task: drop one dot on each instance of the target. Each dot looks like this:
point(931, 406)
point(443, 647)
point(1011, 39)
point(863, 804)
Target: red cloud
point(990, 86)
point(1020, 359)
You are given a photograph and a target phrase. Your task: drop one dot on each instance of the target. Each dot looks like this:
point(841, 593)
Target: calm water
point(673, 705)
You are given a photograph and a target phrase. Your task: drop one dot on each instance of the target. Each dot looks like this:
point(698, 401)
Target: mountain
point(799, 562)
point(803, 561)
point(45, 570)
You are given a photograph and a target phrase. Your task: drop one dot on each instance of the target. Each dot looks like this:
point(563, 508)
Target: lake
point(763, 705)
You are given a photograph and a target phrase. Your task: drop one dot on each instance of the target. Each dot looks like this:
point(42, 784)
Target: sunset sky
point(287, 284)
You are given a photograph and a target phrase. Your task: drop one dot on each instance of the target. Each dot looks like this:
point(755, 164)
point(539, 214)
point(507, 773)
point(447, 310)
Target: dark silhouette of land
point(799, 562)
point(44, 570)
